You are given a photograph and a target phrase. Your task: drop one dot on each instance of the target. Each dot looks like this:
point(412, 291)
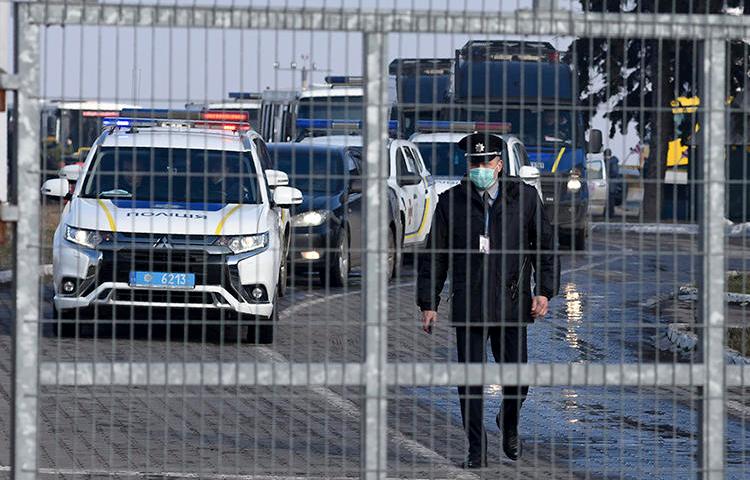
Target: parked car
point(408, 177)
point(327, 230)
point(598, 185)
point(174, 217)
point(438, 146)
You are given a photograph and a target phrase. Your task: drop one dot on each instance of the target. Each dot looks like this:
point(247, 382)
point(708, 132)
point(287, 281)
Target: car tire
point(233, 333)
point(394, 259)
point(337, 273)
point(283, 282)
point(65, 323)
point(262, 331)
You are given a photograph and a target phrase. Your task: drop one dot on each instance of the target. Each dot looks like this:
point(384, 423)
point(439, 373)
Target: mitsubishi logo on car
point(162, 243)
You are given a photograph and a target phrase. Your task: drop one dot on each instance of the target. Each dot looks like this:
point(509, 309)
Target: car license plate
point(162, 280)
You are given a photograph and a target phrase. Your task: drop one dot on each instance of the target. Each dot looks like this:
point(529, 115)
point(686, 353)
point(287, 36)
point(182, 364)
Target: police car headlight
point(83, 237)
point(312, 218)
point(244, 243)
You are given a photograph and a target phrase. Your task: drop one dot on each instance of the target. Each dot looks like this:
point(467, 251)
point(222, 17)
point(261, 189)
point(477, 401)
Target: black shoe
point(512, 445)
point(474, 463)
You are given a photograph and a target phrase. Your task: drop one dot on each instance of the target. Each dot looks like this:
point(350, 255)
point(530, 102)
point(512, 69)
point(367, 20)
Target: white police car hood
point(139, 216)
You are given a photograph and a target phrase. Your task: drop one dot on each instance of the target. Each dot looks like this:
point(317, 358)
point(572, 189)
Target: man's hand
point(429, 318)
point(539, 306)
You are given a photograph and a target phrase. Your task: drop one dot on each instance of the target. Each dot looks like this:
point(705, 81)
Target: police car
point(438, 144)
point(178, 218)
point(408, 177)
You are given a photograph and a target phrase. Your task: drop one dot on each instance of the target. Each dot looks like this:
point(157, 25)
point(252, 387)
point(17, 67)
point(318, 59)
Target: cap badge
point(479, 147)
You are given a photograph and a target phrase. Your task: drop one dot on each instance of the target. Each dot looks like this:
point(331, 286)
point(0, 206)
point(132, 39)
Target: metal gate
point(388, 372)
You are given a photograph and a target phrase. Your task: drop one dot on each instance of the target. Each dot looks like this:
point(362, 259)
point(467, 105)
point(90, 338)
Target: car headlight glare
point(574, 184)
point(312, 218)
point(83, 237)
point(244, 243)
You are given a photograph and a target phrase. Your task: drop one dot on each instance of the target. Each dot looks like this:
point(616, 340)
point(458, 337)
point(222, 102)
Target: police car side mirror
point(528, 173)
point(595, 141)
point(70, 172)
point(285, 197)
point(56, 187)
point(276, 178)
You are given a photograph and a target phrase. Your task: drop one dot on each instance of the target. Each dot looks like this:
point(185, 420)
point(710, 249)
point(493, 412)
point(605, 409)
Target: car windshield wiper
point(116, 193)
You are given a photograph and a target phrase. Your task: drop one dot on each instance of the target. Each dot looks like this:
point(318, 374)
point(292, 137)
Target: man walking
point(490, 231)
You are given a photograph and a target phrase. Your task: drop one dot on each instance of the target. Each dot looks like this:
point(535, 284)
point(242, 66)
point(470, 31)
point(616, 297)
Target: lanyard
point(486, 214)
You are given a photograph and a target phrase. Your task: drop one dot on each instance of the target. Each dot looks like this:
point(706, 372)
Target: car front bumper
point(313, 247)
point(222, 282)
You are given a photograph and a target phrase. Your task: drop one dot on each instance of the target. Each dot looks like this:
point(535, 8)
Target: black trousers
point(508, 346)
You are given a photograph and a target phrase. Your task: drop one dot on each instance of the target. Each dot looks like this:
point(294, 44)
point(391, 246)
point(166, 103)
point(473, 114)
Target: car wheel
point(65, 323)
point(262, 331)
point(337, 273)
point(283, 273)
point(234, 333)
point(393, 260)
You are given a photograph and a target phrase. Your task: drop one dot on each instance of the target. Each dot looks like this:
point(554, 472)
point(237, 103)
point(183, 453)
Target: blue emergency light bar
point(447, 126)
point(344, 80)
point(333, 124)
point(211, 120)
point(131, 122)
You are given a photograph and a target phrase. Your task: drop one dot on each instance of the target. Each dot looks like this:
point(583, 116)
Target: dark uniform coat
point(485, 288)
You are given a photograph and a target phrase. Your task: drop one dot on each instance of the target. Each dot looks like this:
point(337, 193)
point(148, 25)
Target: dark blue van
point(525, 85)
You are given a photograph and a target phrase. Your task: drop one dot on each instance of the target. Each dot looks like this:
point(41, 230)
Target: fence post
point(712, 238)
point(376, 255)
point(27, 241)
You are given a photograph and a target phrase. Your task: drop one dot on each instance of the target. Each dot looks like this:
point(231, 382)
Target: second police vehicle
point(438, 145)
point(178, 217)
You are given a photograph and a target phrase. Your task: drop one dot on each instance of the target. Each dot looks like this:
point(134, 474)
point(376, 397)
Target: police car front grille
point(208, 269)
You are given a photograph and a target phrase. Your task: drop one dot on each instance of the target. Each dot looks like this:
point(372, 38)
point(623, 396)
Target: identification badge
point(484, 244)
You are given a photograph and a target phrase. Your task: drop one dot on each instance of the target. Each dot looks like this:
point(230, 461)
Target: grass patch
point(738, 283)
point(739, 339)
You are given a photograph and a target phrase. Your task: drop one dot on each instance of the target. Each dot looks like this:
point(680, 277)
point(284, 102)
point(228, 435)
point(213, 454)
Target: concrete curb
point(6, 276)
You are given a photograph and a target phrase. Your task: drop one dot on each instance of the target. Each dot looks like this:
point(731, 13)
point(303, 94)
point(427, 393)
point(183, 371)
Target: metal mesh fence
point(376, 240)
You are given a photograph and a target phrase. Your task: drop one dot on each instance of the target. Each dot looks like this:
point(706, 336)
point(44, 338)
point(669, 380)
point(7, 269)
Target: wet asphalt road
point(576, 432)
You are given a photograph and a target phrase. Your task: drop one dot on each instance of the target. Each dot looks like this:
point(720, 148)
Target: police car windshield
point(335, 108)
point(532, 125)
point(174, 175)
point(443, 159)
point(311, 169)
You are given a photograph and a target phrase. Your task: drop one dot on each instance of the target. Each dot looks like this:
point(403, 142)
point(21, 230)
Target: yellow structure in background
point(677, 152)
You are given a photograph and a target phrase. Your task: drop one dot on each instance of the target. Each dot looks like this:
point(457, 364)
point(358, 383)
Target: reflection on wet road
point(634, 433)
